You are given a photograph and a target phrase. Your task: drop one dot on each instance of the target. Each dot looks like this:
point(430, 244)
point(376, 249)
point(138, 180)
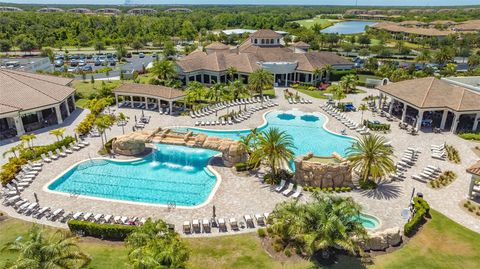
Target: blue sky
point(266, 2)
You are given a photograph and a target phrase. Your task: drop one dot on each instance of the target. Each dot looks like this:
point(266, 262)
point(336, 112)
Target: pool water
point(170, 175)
point(368, 221)
point(306, 130)
point(348, 27)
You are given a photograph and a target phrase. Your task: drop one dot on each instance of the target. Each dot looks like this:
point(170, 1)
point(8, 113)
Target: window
point(272, 42)
point(255, 41)
point(30, 118)
point(263, 41)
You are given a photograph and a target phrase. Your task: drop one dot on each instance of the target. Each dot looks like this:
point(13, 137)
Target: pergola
point(144, 92)
point(441, 103)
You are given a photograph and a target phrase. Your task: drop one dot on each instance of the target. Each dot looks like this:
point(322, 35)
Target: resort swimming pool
point(368, 221)
point(306, 130)
point(170, 175)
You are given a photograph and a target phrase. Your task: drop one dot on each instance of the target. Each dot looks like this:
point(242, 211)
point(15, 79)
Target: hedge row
point(376, 126)
point(422, 210)
point(103, 231)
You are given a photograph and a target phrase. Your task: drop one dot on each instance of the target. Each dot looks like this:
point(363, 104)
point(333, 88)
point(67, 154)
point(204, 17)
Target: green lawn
point(85, 89)
point(319, 94)
point(441, 243)
point(363, 78)
point(317, 20)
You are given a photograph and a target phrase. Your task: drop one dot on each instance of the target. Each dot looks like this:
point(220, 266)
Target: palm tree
point(58, 133)
point(103, 123)
point(164, 70)
point(317, 72)
point(250, 141)
point(259, 81)
point(40, 251)
point(424, 56)
point(362, 108)
point(231, 72)
point(348, 83)
point(275, 147)
point(371, 158)
point(444, 55)
point(195, 92)
point(337, 91)
point(216, 92)
point(122, 117)
point(327, 69)
point(13, 150)
point(237, 88)
point(154, 245)
point(28, 139)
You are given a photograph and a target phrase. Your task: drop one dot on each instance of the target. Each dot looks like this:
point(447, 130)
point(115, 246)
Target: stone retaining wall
point(381, 240)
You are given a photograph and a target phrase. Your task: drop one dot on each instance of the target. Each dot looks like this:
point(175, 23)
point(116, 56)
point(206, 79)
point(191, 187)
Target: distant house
point(108, 11)
point(32, 101)
point(178, 10)
point(10, 9)
point(141, 11)
point(80, 10)
point(263, 49)
point(50, 10)
point(355, 11)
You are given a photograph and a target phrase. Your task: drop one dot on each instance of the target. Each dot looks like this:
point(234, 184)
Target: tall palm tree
point(153, 245)
point(216, 92)
point(237, 88)
point(164, 70)
point(123, 118)
point(371, 158)
point(58, 133)
point(328, 70)
point(259, 81)
point(348, 83)
point(231, 72)
point(13, 150)
point(424, 56)
point(362, 107)
point(195, 92)
point(28, 139)
point(275, 147)
point(317, 72)
point(103, 123)
point(40, 251)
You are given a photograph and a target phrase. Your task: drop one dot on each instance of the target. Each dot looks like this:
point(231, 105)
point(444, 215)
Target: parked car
point(59, 63)
point(129, 55)
point(97, 62)
point(141, 55)
point(87, 68)
point(72, 69)
point(73, 63)
point(82, 63)
point(113, 63)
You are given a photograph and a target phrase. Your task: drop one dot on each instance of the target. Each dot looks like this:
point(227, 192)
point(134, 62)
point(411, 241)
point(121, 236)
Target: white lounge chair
point(249, 221)
point(61, 154)
point(55, 214)
point(52, 156)
point(288, 190)
point(260, 219)
point(280, 186)
point(68, 151)
point(187, 228)
point(77, 215)
point(107, 218)
point(297, 192)
point(45, 158)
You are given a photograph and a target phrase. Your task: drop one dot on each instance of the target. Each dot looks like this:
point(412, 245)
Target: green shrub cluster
point(240, 167)
point(103, 231)
point(261, 232)
point(376, 126)
point(337, 75)
point(275, 179)
point(422, 210)
point(470, 136)
point(472, 208)
point(327, 190)
point(96, 106)
point(14, 164)
point(443, 180)
point(452, 154)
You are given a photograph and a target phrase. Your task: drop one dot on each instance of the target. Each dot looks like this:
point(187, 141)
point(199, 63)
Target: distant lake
point(348, 27)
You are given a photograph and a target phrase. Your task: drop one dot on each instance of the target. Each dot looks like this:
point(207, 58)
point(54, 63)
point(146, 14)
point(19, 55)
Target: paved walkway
point(238, 196)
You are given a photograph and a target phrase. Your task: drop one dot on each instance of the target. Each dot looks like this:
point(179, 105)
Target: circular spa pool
point(170, 175)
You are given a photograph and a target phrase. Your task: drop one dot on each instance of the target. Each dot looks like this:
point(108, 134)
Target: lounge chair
point(260, 219)
point(196, 226)
point(97, 217)
point(419, 178)
point(222, 227)
point(23, 207)
point(249, 221)
point(75, 147)
point(124, 220)
point(31, 208)
point(233, 224)
point(107, 218)
point(36, 164)
point(297, 192)
point(280, 186)
point(41, 212)
point(77, 215)
point(206, 226)
point(52, 156)
point(438, 156)
point(288, 190)
point(45, 159)
point(61, 154)
point(55, 214)
point(87, 216)
point(68, 151)
point(187, 228)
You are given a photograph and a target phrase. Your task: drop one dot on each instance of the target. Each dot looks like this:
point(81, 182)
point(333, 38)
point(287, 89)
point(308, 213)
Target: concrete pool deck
point(240, 195)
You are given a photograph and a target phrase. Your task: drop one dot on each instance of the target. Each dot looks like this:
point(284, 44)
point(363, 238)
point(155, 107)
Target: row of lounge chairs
point(438, 151)
point(345, 120)
point(289, 190)
point(429, 173)
point(140, 105)
point(299, 101)
point(236, 119)
point(64, 152)
point(206, 111)
point(409, 158)
point(205, 225)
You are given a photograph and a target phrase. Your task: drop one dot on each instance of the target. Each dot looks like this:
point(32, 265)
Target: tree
point(83, 40)
point(231, 72)
point(328, 68)
point(122, 117)
point(164, 70)
point(188, 31)
point(237, 88)
point(99, 46)
point(92, 79)
point(136, 45)
point(317, 73)
point(337, 92)
point(48, 52)
point(154, 245)
point(28, 139)
point(40, 251)
point(323, 225)
point(216, 92)
point(259, 81)
point(195, 92)
point(364, 40)
point(364, 52)
point(103, 123)
point(13, 150)
point(362, 107)
point(275, 148)
point(58, 133)
point(445, 55)
point(5, 45)
point(25, 43)
point(121, 52)
point(348, 83)
point(425, 56)
point(169, 49)
point(371, 158)
point(473, 61)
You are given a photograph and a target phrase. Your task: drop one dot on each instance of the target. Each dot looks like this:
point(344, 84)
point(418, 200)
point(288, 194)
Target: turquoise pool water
point(305, 128)
point(369, 222)
point(171, 174)
point(348, 27)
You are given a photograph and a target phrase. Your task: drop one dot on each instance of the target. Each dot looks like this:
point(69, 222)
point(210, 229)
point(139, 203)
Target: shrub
point(422, 209)
point(261, 232)
point(376, 126)
point(277, 246)
point(367, 184)
point(269, 229)
point(337, 75)
point(11, 168)
point(85, 125)
point(470, 136)
point(103, 231)
point(287, 252)
point(241, 167)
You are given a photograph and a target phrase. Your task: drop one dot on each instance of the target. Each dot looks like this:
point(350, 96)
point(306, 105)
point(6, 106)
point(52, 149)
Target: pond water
point(348, 27)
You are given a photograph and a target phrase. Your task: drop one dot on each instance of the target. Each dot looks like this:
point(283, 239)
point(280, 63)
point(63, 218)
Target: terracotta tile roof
point(473, 25)
point(412, 23)
point(217, 46)
point(162, 92)
point(24, 91)
point(301, 44)
point(474, 169)
point(431, 92)
point(265, 33)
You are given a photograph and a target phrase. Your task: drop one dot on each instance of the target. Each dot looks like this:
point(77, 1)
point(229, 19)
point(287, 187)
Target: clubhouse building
point(263, 49)
point(32, 101)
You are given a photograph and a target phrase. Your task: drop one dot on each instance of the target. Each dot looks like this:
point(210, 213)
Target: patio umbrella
point(36, 197)
point(214, 215)
point(135, 118)
point(143, 114)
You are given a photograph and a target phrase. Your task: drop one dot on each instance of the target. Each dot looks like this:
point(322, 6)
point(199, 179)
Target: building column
point(146, 102)
point(419, 119)
point(404, 112)
point(67, 107)
point(475, 122)
point(19, 125)
point(116, 99)
point(390, 107)
point(131, 99)
point(59, 114)
point(40, 116)
point(286, 79)
point(170, 104)
point(444, 119)
point(159, 105)
point(73, 102)
point(456, 119)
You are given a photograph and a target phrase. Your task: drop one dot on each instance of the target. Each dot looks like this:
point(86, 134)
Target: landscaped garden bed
point(443, 180)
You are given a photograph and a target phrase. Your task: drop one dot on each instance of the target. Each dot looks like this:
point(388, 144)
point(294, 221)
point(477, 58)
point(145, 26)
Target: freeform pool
point(306, 130)
point(170, 175)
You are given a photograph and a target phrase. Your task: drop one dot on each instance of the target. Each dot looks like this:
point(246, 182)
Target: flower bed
point(443, 180)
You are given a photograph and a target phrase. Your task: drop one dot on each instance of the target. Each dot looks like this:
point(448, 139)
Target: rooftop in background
point(158, 91)
point(431, 92)
point(23, 91)
point(472, 83)
point(474, 169)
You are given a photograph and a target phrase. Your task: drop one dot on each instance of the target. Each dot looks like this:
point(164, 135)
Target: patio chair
point(45, 159)
point(249, 221)
point(233, 224)
point(260, 219)
point(68, 151)
point(55, 214)
point(297, 192)
point(280, 186)
point(35, 164)
point(52, 156)
point(187, 228)
point(206, 226)
point(107, 219)
point(288, 190)
point(39, 214)
point(97, 218)
point(77, 215)
point(61, 154)
point(196, 226)
point(222, 226)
